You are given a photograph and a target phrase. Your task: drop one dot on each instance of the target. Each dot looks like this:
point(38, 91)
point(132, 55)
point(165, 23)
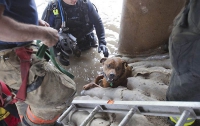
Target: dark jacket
point(76, 19)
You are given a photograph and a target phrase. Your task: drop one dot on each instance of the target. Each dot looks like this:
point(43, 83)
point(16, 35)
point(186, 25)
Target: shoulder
point(53, 2)
point(85, 2)
point(88, 3)
point(4, 2)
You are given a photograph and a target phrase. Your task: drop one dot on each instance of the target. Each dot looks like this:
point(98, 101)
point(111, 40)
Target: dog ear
point(103, 60)
point(125, 64)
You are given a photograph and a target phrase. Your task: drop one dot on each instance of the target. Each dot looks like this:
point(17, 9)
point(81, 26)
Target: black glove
point(103, 48)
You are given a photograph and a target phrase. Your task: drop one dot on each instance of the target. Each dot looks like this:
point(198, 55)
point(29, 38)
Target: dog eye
point(108, 65)
point(117, 68)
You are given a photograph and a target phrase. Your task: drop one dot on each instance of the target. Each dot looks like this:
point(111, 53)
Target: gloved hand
point(103, 48)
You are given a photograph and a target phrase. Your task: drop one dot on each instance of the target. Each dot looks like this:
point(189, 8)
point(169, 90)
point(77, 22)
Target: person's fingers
point(103, 49)
point(105, 52)
point(47, 24)
point(43, 23)
point(99, 49)
point(51, 37)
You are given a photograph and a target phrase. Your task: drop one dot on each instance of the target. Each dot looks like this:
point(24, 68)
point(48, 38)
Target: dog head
point(113, 68)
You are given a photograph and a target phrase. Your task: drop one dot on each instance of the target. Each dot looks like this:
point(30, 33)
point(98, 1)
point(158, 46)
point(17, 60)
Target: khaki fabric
point(55, 93)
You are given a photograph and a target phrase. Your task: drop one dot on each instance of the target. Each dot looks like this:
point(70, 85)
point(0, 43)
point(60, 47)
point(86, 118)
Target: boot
point(170, 122)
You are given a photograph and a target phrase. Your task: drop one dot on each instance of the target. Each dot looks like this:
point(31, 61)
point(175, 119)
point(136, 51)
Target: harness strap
point(10, 99)
point(4, 90)
point(42, 51)
point(9, 96)
point(25, 55)
point(51, 56)
point(1, 98)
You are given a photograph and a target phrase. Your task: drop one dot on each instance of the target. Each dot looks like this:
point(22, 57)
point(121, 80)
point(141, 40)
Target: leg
point(53, 96)
point(83, 44)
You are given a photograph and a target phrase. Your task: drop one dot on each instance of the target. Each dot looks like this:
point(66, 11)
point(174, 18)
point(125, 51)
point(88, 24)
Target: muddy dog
point(115, 73)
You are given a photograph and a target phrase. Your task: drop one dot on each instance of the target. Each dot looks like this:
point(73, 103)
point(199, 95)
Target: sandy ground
point(149, 82)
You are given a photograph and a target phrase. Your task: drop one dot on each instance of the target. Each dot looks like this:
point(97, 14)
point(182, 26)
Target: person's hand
point(104, 49)
point(51, 36)
point(43, 23)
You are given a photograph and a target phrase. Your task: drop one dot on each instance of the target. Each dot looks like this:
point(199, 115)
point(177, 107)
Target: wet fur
point(116, 71)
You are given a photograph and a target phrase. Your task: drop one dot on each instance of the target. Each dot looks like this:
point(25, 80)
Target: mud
point(149, 82)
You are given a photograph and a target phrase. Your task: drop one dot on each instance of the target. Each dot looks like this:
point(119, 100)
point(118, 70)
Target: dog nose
point(112, 75)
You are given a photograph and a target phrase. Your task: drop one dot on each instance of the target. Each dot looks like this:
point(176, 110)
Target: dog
point(115, 73)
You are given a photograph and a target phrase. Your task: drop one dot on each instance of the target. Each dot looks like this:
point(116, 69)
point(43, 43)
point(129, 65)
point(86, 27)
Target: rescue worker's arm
point(13, 31)
point(96, 20)
point(43, 23)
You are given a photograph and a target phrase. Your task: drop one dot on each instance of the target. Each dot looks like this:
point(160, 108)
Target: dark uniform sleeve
point(96, 20)
point(5, 3)
point(44, 14)
point(48, 15)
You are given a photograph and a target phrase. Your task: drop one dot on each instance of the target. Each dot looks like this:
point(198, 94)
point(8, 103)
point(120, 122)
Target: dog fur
point(115, 73)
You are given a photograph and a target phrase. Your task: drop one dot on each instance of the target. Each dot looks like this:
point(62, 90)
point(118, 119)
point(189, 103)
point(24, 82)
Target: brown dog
point(115, 73)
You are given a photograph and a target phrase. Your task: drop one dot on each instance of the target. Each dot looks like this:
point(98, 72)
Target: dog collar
point(111, 84)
